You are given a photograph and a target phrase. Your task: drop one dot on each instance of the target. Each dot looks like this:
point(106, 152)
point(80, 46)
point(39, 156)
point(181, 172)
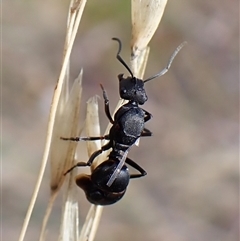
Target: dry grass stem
point(70, 221)
point(90, 226)
point(139, 63)
point(70, 216)
point(66, 124)
point(62, 153)
point(71, 33)
point(146, 16)
point(92, 128)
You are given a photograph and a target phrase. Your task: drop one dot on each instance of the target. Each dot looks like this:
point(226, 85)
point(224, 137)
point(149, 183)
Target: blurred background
point(191, 191)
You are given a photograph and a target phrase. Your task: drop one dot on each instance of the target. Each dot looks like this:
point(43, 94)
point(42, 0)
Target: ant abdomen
point(102, 173)
point(95, 188)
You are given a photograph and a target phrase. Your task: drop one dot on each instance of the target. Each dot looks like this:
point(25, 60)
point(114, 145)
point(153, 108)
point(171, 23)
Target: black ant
point(128, 126)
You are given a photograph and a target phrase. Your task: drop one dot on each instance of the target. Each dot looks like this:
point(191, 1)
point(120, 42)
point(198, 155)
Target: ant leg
point(93, 138)
point(79, 164)
point(91, 159)
point(98, 152)
point(146, 132)
point(137, 167)
point(106, 104)
point(147, 116)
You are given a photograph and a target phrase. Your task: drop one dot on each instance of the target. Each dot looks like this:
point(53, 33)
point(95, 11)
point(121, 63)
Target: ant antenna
point(165, 70)
point(120, 58)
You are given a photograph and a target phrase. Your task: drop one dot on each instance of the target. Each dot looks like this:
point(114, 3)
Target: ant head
point(95, 185)
point(131, 88)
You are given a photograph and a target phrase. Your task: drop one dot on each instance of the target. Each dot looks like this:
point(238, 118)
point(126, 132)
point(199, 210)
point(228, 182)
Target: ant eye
point(123, 91)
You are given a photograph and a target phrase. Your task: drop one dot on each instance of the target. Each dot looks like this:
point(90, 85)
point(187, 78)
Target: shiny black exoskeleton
point(128, 125)
point(95, 185)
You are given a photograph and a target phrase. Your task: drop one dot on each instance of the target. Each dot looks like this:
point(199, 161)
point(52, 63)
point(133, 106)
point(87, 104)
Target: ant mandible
point(128, 124)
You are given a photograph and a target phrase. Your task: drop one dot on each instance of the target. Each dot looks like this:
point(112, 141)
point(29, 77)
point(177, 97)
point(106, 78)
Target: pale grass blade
point(73, 23)
point(92, 128)
point(146, 16)
point(61, 152)
point(70, 217)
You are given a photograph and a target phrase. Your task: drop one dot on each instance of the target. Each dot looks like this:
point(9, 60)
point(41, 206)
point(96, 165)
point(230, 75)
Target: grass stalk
point(74, 20)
